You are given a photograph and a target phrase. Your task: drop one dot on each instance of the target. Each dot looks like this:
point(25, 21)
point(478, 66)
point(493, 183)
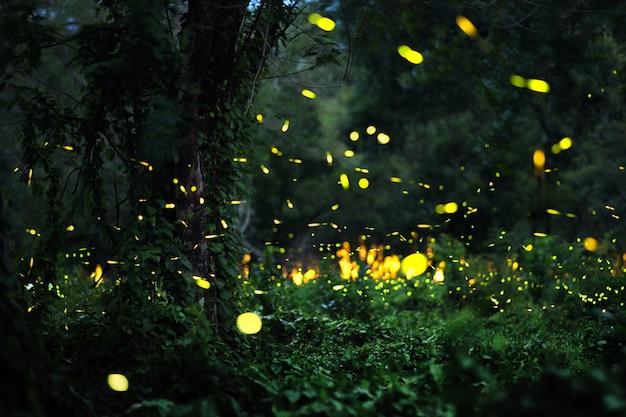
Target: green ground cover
point(541, 337)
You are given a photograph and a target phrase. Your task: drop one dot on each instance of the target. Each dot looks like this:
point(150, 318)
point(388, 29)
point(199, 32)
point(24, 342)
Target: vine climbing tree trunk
point(208, 82)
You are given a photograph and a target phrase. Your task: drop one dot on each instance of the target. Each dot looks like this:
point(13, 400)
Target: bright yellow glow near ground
point(370, 130)
point(354, 136)
point(118, 382)
point(414, 265)
point(364, 183)
point(590, 244)
point(349, 153)
point(249, 323)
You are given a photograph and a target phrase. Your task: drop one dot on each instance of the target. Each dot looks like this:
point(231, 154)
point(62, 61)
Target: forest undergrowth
point(535, 332)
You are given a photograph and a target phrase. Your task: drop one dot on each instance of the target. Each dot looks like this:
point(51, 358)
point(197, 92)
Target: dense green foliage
point(150, 145)
point(366, 347)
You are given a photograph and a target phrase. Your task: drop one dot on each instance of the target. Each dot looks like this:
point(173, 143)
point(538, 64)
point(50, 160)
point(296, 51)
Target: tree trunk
point(207, 83)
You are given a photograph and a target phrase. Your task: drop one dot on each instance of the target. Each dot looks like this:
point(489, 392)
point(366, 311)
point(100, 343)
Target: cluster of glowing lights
point(410, 54)
point(532, 84)
point(322, 22)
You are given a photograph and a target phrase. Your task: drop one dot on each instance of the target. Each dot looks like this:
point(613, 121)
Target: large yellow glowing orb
point(590, 244)
point(249, 323)
point(414, 265)
point(118, 382)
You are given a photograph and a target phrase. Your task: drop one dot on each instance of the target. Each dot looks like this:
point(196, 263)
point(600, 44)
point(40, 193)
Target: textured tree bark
point(207, 82)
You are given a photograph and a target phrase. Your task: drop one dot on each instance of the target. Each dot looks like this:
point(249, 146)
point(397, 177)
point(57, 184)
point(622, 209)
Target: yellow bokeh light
point(329, 158)
point(97, 274)
point(410, 55)
point(555, 149)
point(309, 94)
point(370, 130)
point(285, 126)
point(70, 228)
point(249, 323)
point(518, 81)
point(202, 283)
point(438, 276)
point(309, 275)
point(539, 159)
point(565, 143)
point(466, 26)
point(403, 50)
point(414, 57)
point(349, 153)
point(414, 265)
point(440, 209)
point(314, 18)
point(354, 136)
point(591, 244)
point(539, 86)
point(383, 138)
point(450, 207)
point(326, 24)
point(345, 182)
point(364, 183)
point(322, 22)
point(118, 382)
point(259, 118)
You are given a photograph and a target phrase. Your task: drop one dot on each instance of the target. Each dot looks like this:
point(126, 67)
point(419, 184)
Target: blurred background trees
point(463, 125)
